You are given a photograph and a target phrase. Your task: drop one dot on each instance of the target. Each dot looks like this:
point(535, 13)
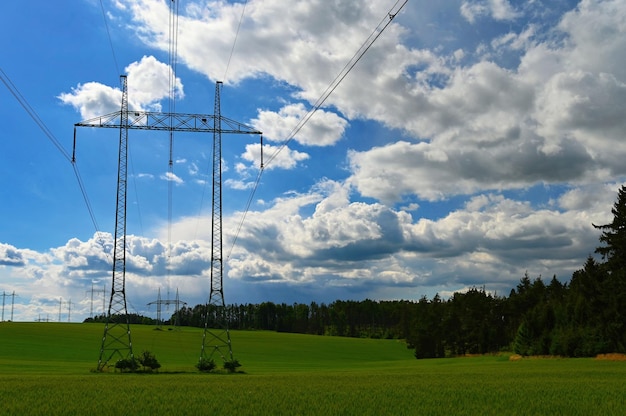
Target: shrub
point(127, 364)
point(149, 361)
point(232, 365)
point(205, 365)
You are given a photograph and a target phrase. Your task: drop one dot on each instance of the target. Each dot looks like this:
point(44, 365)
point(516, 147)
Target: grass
point(44, 369)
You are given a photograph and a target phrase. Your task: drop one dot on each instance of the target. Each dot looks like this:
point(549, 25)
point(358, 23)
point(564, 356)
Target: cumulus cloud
point(172, 177)
point(497, 9)
point(66, 273)
point(543, 114)
point(148, 84)
point(93, 99)
point(11, 256)
point(321, 128)
point(487, 241)
point(145, 257)
point(276, 157)
point(471, 125)
point(553, 119)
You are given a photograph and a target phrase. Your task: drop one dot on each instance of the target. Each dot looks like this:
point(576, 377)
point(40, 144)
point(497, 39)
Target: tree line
point(584, 317)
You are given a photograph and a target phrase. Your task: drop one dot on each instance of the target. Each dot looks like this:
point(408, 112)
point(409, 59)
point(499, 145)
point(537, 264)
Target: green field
point(45, 370)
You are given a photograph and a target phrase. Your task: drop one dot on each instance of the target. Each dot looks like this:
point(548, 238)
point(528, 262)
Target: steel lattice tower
point(160, 302)
point(116, 341)
point(216, 338)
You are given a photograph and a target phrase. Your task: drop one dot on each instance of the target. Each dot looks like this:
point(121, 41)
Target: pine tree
point(613, 289)
point(614, 235)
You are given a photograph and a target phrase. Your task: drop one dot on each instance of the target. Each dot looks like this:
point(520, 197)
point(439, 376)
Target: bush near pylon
point(149, 361)
point(205, 365)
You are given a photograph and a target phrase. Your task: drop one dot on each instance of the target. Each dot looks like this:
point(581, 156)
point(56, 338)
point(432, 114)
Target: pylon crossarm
point(182, 122)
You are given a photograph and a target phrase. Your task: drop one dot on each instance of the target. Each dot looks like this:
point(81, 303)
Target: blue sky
point(476, 140)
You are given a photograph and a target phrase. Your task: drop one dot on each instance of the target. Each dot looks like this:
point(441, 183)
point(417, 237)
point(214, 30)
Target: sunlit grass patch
point(44, 370)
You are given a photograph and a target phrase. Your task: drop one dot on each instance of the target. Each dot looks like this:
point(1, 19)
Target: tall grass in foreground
point(290, 374)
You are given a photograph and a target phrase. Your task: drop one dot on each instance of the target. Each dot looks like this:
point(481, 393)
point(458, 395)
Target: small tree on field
point(205, 365)
point(148, 361)
point(127, 364)
point(232, 365)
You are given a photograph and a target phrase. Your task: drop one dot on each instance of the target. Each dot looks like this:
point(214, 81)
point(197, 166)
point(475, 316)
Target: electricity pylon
point(116, 341)
point(216, 338)
point(159, 302)
point(92, 291)
point(6, 295)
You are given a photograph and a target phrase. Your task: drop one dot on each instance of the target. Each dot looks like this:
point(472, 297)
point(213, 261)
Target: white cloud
point(515, 41)
point(321, 128)
point(489, 241)
point(68, 272)
point(10, 256)
point(471, 10)
point(497, 9)
point(342, 245)
point(172, 177)
point(148, 84)
point(554, 119)
point(239, 184)
point(274, 157)
point(487, 127)
point(502, 10)
point(93, 99)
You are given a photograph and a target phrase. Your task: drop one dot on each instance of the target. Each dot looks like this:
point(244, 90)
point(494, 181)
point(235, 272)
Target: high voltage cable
point(118, 72)
point(382, 25)
point(106, 25)
point(173, 61)
point(232, 50)
point(33, 114)
point(35, 117)
point(380, 28)
point(230, 57)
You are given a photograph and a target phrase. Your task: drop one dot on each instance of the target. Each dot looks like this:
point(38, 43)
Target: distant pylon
point(13, 295)
point(92, 291)
point(159, 302)
point(4, 295)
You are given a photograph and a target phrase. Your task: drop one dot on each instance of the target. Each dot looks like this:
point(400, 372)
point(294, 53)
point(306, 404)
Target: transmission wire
point(35, 117)
point(106, 25)
point(232, 50)
point(118, 72)
point(173, 58)
point(33, 114)
point(230, 57)
point(385, 21)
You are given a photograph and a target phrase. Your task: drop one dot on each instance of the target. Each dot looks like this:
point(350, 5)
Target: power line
point(70, 158)
point(232, 50)
point(33, 114)
point(173, 61)
point(367, 44)
point(106, 25)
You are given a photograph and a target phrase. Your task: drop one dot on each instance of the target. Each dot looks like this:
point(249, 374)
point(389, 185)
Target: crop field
point(45, 369)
